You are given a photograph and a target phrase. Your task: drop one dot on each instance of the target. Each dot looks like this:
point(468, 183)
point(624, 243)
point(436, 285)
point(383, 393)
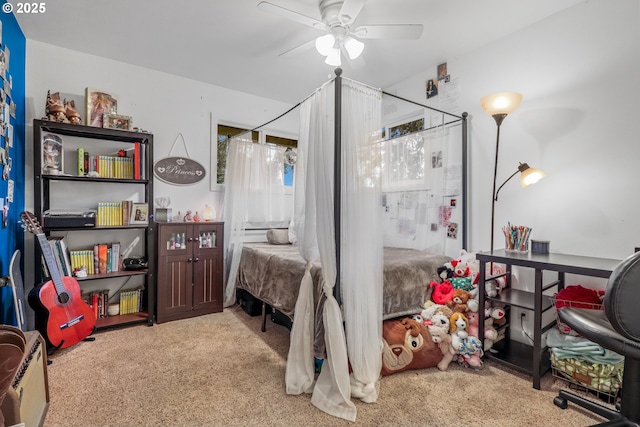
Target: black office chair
point(617, 328)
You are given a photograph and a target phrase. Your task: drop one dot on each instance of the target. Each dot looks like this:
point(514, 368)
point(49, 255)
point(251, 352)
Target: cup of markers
point(516, 237)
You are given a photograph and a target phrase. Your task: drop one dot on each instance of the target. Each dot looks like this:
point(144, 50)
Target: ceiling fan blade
point(391, 31)
point(299, 49)
point(350, 10)
point(290, 14)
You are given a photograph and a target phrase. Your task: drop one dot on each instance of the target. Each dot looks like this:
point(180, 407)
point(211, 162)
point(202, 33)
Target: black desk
point(533, 361)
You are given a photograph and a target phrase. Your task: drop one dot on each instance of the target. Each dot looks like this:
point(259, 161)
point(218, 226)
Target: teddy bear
point(442, 292)
point(495, 312)
point(470, 349)
point(431, 308)
point(458, 324)
point(490, 334)
point(445, 272)
point(459, 301)
point(449, 353)
point(493, 287)
point(406, 344)
point(438, 327)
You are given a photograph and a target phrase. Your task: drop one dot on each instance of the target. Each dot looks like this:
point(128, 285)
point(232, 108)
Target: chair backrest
point(622, 298)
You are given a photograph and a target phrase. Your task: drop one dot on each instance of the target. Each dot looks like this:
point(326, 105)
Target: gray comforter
point(272, 273)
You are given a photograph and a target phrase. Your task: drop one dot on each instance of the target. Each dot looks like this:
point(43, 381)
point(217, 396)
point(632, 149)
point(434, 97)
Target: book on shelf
point(99, 302)
point(102, 258)
point(60, 256)
point(131, 301)
point(117, 166)
point(116, 214)
point(81, 163)
point(90, 259)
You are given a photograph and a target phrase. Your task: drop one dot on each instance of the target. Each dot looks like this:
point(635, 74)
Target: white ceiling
point(233, 44)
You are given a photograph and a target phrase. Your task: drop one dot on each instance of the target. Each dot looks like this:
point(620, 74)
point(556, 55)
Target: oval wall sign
point(179, 170)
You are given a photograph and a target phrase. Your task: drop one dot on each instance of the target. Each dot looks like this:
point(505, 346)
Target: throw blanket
point(568, 346)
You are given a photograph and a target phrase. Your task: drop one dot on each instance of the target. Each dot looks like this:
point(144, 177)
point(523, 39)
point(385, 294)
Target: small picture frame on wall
point(139, 214)
point(99, 103)
point(116, 121)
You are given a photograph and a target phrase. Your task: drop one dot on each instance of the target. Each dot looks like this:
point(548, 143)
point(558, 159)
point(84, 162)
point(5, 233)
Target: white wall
point(578, 72)
point(161, 103)
point(578, 122)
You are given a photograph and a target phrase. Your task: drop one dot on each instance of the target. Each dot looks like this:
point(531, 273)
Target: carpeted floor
point(220, 370)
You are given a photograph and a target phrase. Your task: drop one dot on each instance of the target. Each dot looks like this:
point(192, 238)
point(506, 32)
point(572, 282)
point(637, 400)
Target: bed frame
point(462, 119)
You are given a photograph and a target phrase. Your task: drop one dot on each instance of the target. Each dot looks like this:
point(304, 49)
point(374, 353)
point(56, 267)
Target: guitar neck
point(50, 261)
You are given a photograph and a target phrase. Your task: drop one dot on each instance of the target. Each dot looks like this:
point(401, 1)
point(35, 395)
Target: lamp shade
point(353, 47)
point(529, 175)
point(502, 103)
point(333, 58)
point(325, 43)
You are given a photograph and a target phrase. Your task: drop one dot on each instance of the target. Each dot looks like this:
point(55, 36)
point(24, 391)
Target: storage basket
point(558, 303)
point(605, 380)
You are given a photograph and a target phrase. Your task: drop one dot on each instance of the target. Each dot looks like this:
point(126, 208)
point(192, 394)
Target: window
point(225, 133)
point(222, 134)
point(405, 154)
point(289, 161)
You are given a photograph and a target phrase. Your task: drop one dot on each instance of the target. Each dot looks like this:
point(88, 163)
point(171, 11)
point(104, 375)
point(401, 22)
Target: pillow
point(407, 344)
point(277, 237)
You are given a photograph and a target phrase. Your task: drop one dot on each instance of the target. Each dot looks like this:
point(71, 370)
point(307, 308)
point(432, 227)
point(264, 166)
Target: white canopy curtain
point(254, 194)
point(422, 190)
point(361, 266)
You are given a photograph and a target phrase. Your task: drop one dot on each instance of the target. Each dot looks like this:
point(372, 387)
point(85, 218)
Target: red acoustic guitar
point(62, 317)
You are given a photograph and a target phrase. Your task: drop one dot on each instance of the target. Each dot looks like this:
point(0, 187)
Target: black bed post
point(337, 176)
point(464, 183)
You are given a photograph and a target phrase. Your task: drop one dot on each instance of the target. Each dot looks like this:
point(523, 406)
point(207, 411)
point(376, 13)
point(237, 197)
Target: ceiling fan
point(338, 17)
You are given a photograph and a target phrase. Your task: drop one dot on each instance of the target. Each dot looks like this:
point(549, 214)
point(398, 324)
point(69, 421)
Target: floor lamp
point(499, 106)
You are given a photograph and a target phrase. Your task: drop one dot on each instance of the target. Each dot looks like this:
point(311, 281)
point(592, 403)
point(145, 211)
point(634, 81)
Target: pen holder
point(516, 238)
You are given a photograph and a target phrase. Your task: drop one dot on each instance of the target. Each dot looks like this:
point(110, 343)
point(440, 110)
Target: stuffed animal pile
point(452, 315)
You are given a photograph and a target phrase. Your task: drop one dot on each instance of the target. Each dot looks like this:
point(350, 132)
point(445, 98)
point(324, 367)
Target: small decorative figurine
point(196, 217)
point(54, 108)
point(188, 217)
point(71, 113)
point(178, 217)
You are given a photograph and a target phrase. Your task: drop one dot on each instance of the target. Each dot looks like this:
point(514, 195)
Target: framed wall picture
point(99, 103)
point(116, 121)
point(139, 214)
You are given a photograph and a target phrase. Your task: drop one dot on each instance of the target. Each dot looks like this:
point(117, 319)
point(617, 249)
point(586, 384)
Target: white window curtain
point(362, 254)
point(254, 193)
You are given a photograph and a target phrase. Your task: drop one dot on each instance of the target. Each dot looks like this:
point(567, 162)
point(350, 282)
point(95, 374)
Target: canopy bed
point(341, 219)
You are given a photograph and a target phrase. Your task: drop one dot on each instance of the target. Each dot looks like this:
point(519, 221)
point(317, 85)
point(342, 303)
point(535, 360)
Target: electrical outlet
point(523, 315)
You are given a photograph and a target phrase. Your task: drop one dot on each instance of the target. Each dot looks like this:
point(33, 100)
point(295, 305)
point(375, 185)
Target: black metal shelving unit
point(43, 194)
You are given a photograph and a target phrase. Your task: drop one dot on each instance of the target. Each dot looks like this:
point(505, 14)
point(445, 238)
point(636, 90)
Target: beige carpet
point(220, 370)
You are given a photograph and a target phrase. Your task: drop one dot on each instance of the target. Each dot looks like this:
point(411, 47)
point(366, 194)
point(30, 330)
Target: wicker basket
point(558, 303)
point(605, 380)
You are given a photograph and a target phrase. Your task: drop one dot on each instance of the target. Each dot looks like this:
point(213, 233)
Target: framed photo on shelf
point(139, 214)
point(99, 103)
point(116, 121)
point(52, 154)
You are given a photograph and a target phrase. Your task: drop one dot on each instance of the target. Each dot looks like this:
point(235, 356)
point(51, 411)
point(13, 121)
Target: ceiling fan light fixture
point(333, 58)
point(354, 47)
point(324, 44)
